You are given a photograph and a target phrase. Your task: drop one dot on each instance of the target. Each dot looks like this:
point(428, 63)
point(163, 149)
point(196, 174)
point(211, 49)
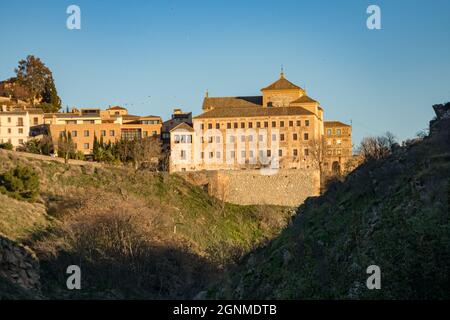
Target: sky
point(154, 56)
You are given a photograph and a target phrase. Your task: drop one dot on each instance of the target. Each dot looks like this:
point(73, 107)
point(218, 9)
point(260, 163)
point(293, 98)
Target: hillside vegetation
point(135, 234)
point(393, 213)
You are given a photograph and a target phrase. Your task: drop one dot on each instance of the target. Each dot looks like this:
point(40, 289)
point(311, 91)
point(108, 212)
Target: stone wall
point(288, 187)
point(18, 264)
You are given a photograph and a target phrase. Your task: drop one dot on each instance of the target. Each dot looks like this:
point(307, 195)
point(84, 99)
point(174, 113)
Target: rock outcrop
point(19, 264)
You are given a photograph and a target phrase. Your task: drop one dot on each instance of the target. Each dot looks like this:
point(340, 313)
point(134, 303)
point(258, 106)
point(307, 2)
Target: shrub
point(6, 146)
point(20, 182)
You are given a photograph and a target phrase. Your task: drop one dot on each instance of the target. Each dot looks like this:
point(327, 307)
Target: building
point(110, 125)
point(18, 125)
point(178, 117)
point(338, 141)
point(280, 129)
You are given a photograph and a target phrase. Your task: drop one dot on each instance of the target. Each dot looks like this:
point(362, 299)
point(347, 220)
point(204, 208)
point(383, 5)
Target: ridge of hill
point(135, 234)
point(393, 213)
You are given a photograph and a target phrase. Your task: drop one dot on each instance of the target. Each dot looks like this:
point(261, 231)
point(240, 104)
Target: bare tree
point(374, 148)
point(146, 152)
point(317, 151)
point(66, 146)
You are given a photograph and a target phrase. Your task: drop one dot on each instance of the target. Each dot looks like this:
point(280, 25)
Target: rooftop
point(281, 84)
point(335, 124)
point(258, 111)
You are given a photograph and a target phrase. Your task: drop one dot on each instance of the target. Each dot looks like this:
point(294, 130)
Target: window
point(250, 125)
point(236, 125)
point(339, 151)
point(20, 130)
point(210, 139)
point(294, 136)
point(218, 139)
point(281, 123)
point(307, 123)
point(242, 125)
point(232, 154)
point(266, 124)
point(280, 153)
point(209, 125)
point(183, 154)
point(250, 153)
point(9, 130)
point(103, 133)
point(274, 124)
point(242, 138)
point(328, 132)
point(260, 138)
point(211, 155)
point(282, 137)
point(299, 123)
point(243, 154)
point(202, 126)
point(20, 141)
point(274, 137)
point(111, 133)
point(218, 154)
point(291, 123)
point(295, 152)
point(305, 136)
point(154, 133)
point(86, 133)
point(250, 138)
point(217, 125)
point(86, 146)
point(62, 134)
point(229, 125)
point(258, 124)
point(338, 141)
point(9, 119)
point(35, 121)
point(145, 134)
point(202, 154)
point(20, 122)
point(74, 133)
point(338, 132)
point(306, 152)
point(269, 153)
point(89, 121)
point(232, 139)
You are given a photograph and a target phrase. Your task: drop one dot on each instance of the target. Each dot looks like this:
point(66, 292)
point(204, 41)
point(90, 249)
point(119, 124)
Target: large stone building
point(283, 128)
point(111, 125)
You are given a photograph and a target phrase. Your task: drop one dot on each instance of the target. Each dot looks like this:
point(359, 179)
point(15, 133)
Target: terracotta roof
point(304, 99)
point(253, 112)
point(281, 84)
point(184, 126)
point(335, 124)
point(116, 108)
point(231, 102)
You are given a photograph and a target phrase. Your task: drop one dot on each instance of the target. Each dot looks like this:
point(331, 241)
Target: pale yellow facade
point(234, 133)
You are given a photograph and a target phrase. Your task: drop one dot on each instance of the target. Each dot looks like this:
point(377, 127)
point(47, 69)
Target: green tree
point(21, 182)
point(37, 78)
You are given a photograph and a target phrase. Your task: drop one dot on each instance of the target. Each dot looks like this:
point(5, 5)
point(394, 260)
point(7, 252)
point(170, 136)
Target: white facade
point(14, 127)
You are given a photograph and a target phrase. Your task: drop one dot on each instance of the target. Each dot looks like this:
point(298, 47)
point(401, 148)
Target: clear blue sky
point(152, 56)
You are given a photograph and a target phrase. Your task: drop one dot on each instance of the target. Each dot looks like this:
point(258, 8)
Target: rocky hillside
point(134, 234)
point(393, 213)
